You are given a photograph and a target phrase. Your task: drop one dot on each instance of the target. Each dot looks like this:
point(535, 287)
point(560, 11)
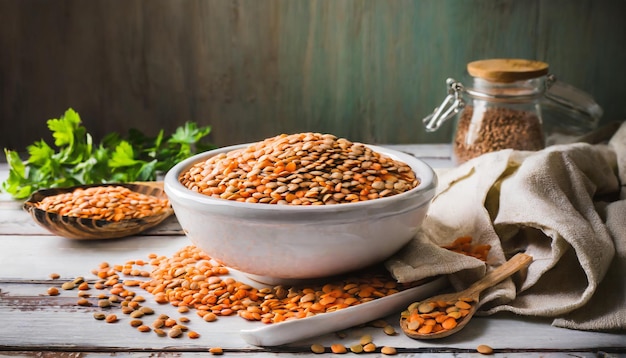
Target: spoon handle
point(505, 270)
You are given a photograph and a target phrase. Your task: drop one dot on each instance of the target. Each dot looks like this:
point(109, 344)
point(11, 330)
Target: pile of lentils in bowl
point(300, 169)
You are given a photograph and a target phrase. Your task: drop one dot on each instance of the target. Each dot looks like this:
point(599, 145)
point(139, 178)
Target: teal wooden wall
point(362, 69)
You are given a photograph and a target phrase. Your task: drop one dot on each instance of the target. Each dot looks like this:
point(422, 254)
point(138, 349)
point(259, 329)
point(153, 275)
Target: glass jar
point(504, 108)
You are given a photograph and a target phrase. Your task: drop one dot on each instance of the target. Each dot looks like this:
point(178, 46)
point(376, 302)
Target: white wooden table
point(32, 322)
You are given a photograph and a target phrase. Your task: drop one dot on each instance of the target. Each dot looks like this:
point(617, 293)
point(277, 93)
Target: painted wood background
point(362, 69)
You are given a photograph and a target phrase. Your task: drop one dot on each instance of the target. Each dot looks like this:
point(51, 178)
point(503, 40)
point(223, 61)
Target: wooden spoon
point(456, 308)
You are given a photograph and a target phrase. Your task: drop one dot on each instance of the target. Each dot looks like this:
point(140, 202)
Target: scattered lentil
point(317, 348)
point(111, 318)
point(379, 323)
point(389, 330)
point(175, 333)
point(55, 276)
point(143, 328)
point(159, 332)
point(83, 302)
point(68, 285)
point(365, 339)
point(136, 322)
point(338, 348)
point(369, 347)
point(216, 350)
point(99, 316)
point(300, 169)
point(53, 291)
point(484, 349)
point(136, 314)
point(356, 348)
point(387, 350)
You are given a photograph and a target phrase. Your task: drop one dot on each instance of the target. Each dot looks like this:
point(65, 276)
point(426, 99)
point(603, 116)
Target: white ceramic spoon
point(294, 330)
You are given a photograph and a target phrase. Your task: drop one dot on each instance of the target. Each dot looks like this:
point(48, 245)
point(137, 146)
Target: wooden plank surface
point(34, 323)
point(364, 70)
point(26, 262)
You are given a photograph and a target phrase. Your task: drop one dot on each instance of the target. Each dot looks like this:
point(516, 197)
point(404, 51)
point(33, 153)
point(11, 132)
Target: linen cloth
point(564, 205)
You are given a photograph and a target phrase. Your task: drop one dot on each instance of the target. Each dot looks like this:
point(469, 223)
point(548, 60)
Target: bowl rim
point(428, 183)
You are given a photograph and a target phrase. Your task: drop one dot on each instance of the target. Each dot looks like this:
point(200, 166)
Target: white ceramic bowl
point(275, 243)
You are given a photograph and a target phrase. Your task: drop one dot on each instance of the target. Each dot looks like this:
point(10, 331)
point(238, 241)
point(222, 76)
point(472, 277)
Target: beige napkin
point(560, 205)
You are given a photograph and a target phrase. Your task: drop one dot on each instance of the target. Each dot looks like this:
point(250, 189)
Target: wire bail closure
point(451, 105)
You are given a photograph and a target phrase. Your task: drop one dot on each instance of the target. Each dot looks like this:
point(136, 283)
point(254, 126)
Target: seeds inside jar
point(300, 169)
point(498, 128)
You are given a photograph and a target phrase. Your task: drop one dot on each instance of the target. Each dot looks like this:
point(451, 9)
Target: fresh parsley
point(76, 160)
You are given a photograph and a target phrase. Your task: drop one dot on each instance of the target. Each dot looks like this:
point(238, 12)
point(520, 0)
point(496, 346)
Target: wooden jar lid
point(507, 69)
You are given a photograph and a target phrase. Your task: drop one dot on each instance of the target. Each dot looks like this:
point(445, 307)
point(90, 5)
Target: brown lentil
point(300, 169)
point(175, 333)
point(379, 323)
point(83, 302)
point(99, 316)
point(68, 285)
point(55, 276)
point(356, 348)
point(127, 310)
point(369, 347)
point(183, 309)
point(53, 291)
point(136, 322)
point(499, 128)
point(388, 351)
point(365, 339)
point(484, 349)
point(317, 348)
point(389, 330)
point(136, 314)
point(146, 310)
point(112, 203)
point(159, 332)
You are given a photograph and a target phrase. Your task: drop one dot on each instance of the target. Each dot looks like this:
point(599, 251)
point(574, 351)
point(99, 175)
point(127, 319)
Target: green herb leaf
point(78, 161)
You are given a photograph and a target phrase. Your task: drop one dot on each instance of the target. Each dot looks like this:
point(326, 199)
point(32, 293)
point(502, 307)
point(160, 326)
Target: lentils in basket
point(112, 203)
point(300, 169)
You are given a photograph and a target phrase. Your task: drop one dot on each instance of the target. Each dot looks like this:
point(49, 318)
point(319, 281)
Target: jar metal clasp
point(451, 105)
